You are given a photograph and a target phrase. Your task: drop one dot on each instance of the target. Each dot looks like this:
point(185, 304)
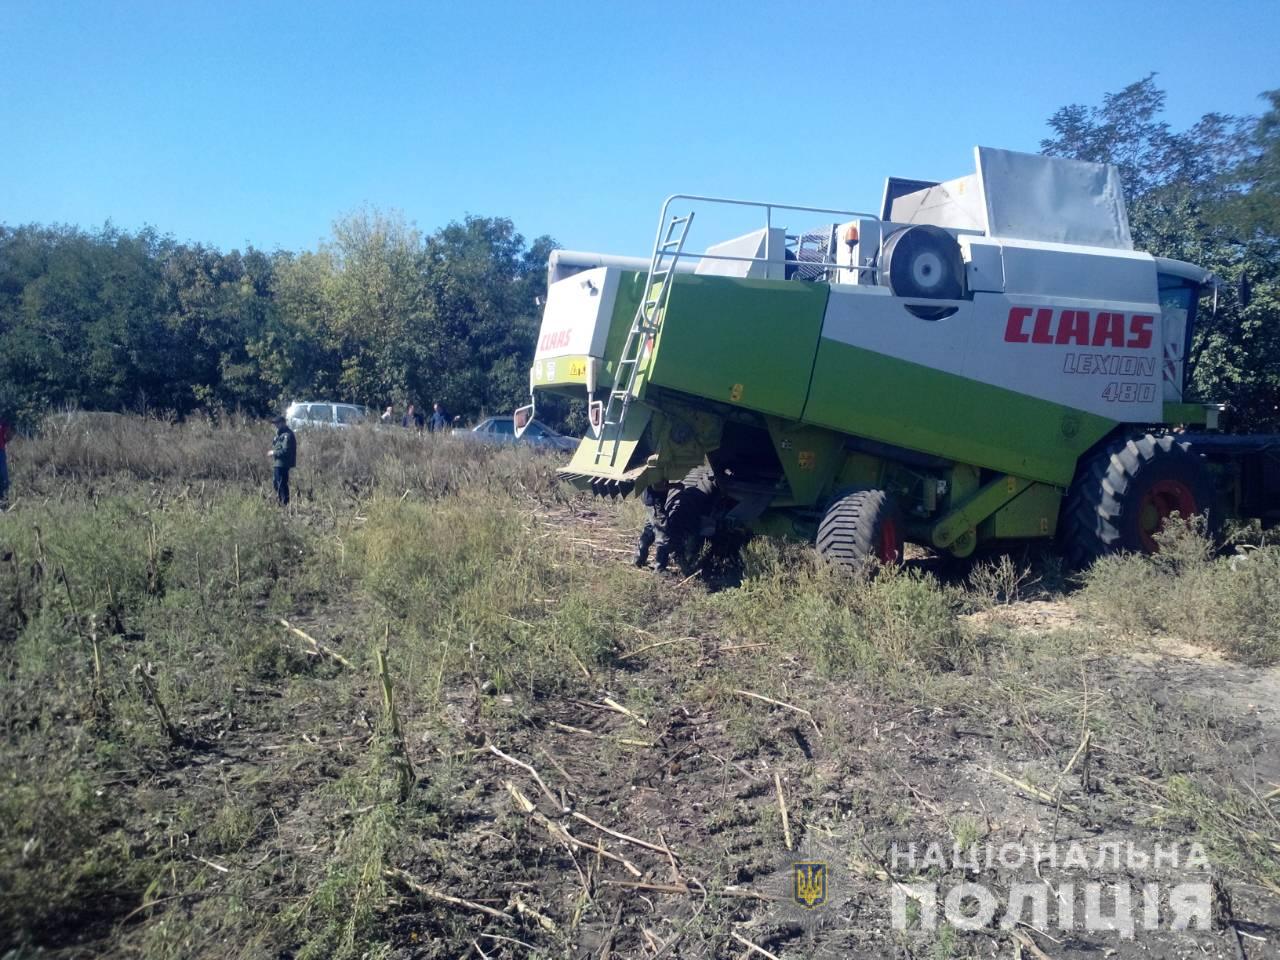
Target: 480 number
point(1116, 392)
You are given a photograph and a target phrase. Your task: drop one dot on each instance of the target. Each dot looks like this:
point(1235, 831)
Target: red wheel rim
point(1164, 498)
point(890, 547)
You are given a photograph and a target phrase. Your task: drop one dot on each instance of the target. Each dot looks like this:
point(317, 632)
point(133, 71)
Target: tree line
point(115, 320)
point(381, 313)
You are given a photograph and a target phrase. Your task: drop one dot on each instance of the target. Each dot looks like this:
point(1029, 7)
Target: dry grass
point(274, 820)
point(197, 455)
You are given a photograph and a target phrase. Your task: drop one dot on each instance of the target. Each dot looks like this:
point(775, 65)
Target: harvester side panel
point(744, 342)
point(873, 395)
point(1066, 350)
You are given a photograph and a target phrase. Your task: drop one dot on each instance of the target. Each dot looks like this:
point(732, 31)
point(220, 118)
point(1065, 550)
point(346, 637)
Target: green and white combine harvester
point(987, 361)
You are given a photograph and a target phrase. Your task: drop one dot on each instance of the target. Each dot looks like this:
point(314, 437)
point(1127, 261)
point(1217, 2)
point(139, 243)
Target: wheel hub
point(889, 549)
point(1163, 499)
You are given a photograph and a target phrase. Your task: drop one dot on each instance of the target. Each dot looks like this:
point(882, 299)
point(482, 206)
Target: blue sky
point(261, 122)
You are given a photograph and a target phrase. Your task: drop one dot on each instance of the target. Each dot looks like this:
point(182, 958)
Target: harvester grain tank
point(985, 360)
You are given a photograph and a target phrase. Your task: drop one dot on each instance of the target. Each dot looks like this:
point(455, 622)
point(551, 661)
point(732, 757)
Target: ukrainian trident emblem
point(809, 883)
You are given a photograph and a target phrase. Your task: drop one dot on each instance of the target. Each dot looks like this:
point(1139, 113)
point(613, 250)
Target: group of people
point(414, 418)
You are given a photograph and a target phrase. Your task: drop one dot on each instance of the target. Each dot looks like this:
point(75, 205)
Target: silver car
point(502, 430)
point(307, 414)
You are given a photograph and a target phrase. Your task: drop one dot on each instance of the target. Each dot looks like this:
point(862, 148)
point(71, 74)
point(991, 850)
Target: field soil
point(433, 710)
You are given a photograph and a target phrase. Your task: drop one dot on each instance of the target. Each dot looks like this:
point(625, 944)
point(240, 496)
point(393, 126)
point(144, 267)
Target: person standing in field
point(412, 418)
point(388, 414)
point(284, 457)
point(439, 421)
point(5, 433)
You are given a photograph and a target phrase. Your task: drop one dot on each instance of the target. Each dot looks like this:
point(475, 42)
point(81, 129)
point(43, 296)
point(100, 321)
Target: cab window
point(1178, 299)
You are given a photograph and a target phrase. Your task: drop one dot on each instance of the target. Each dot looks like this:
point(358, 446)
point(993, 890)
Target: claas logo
point(554, 340)
point(1081, 328)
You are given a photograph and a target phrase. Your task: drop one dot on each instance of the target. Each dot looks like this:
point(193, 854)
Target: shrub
point(1228, 603)
point(873, 622)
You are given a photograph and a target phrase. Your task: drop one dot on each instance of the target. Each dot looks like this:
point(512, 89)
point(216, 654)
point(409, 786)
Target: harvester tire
point(861, 526)
point(1123, 494)
point(923, 262)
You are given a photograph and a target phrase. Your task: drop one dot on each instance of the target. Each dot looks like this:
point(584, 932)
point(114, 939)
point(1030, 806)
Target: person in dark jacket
point(439, 419)
point(5, 433)
point(284, 457)
point(655, 532)
point(412, 418)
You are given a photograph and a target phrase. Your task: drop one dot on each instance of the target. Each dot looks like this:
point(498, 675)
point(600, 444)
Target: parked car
point(307, 414)
point(502, 430)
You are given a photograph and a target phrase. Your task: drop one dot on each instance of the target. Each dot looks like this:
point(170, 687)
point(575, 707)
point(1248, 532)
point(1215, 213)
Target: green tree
point(482, 285)
point(116, 320)
point(377, 302)
point(1206, 195)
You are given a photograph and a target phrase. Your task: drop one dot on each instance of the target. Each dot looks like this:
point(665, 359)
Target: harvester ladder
point(653, 304)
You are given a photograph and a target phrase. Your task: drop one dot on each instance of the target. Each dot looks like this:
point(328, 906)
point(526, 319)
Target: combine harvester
point(988, 361)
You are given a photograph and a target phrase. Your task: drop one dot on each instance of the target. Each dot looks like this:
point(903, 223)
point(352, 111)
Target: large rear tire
point(861, 526)
point(1123, 495)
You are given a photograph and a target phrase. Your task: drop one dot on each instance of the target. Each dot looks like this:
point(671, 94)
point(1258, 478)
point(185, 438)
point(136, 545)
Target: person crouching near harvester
point(656, 526)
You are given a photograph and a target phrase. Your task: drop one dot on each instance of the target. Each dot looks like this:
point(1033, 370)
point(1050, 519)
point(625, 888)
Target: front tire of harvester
point(1122, 496)
point(861, 526)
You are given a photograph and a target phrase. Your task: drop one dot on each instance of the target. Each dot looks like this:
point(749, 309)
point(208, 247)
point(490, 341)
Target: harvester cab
point(983, 360)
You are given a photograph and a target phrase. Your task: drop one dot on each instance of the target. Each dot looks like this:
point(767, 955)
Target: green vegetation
point(1230, 603)
point(183, 776)
point(109, 320)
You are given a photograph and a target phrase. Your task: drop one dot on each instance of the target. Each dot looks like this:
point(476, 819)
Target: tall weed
point(877, 622)
point(1230, 603)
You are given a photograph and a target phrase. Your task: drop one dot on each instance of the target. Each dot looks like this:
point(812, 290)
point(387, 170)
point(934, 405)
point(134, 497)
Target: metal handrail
point(789, 263)
point(768, 223)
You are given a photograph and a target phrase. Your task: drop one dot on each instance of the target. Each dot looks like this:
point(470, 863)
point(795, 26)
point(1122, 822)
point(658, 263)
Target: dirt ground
point(858, 777)
point(678, 844)
point(658, 806)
